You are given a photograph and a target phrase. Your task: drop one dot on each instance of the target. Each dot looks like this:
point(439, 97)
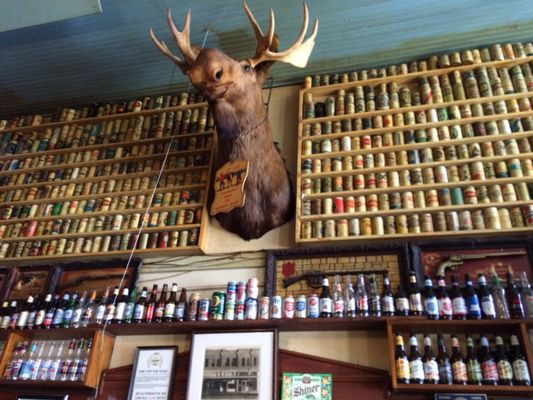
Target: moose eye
point(246, 67)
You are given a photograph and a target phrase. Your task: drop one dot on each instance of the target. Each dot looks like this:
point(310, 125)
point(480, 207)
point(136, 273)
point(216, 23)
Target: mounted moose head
point(233, 90)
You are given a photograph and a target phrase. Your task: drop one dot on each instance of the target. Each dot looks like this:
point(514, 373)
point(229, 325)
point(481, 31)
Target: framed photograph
point(153, 373)
point(473, 257)
point(301, 271)
point(75, 276)
point(30, 280)
point(234, 365)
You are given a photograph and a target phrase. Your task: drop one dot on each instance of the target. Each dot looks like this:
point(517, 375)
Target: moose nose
point(218, 75)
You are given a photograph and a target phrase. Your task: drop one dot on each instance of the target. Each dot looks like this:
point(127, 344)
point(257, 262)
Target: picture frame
point(473, 256)
point(26, 280)
point(42, 397)
point(153, 373)
point(218, 367)
point(74, 276)
point(283, 266)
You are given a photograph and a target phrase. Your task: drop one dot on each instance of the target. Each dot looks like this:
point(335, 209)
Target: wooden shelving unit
point(104, 169)
point(403, 163)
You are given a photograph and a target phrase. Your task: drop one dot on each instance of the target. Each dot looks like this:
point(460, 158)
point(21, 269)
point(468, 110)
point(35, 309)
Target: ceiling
point(109, 56)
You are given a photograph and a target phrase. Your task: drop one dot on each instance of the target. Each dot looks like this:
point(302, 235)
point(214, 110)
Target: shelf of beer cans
point(433, 149)
point(79, 183)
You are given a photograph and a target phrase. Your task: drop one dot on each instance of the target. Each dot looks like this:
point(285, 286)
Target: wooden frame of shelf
point(518, 327)
point(309, 149)
point(200, 204)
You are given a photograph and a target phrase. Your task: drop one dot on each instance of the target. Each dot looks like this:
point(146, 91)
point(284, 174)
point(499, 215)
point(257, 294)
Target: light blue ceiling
point(109, 56)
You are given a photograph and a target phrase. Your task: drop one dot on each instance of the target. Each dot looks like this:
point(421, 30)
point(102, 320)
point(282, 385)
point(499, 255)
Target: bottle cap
point(514, 341)
point(413, 341)
point(427, 341)
point(484, 341)
point(399, 340)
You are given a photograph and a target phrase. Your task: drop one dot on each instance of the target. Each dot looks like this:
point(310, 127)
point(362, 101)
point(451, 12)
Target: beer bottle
point(4, 315)
point(516, 308)
point(444, 301)
point(387, 298)
point(111, 306)
point(431, 302)
point(460, 376)
point(100, 311)
point(77, 313)
point(431, 367)
point(349, 298)
point(415, 298)
point(361, 297)
point(527, 295)
point(505, 369)
point(489, 368)
point(159, 310)
point(59, 314)
point(32, 314)
point(24, 312)
point(150, 306)
point(473, 367)
point(41, 314)
point(170, 306)
point(128, 312)
point(402, 362)
point(402, 302)
point(325, 300)
point(374, 301)
point(69, 311)
point(500, 299)
point(120, 308)
point(445, 367)
point(89, 310)
point(416, 366)
point(520, 367)
point(458, 301)
point(140, 307)
point(338, 299)
point(485, 297)
point(473, 310)
point(181, 308)
point(14, 314)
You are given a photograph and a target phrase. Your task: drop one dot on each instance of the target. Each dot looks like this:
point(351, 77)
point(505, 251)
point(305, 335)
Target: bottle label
point(487, 306)
point(362, 303)
point(521, 371)
point(128, 312)
point(138, 312)
point(350, 305)
point(5, 322)
point(490, 370)
point(76, 316)
point(416, 369)
point(67, 317)
point(402, 368)
point(474, 370)
point(23, 318)
point(459, 306)
point(415, 302)
point(402, 304)
point(169, 310)
point(326, 305)
point(119, 311)
point(529, 302)
point(445, 372)
point(387, 303)
point(431, 370)
point(473, 306)
point(109, 312)
point(58, 316)
point(505, 370)
point(459, 371)
point(179, 312)
point(375, 304)
point(54, 369)
point(432, 306)
point(39, 318)
point(445, 307)
point(48, 318)
point(159, 312)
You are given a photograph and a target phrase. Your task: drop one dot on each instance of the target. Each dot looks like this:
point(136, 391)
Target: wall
point(231, 258)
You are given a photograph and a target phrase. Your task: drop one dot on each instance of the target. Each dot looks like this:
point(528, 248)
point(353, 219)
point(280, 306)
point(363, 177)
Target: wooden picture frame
point(282, 265)
point(34, 279)
point(217, 368)
point(473, 256)
point(153, 372)
point(74, 276)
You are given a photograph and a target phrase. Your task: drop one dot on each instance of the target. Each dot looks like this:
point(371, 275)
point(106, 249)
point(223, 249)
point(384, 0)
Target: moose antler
point(297, 54)
point(182, 39)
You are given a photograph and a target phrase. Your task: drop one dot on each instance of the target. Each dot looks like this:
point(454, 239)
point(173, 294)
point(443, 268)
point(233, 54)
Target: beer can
point(203, 309)
point(276, 305)
point(505, 218)
point(264, 307)
point(452, 221)
point(251, 308)
point(301, 307)
point(231, 298)
point(492, 218)
point(218, 301)
point(240, 300)
point(288, 307)
point(477, 219)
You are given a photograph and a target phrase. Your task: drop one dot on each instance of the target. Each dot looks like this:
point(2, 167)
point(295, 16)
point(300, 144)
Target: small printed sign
point(229, 187)
point(295, 386)
point(460, 396)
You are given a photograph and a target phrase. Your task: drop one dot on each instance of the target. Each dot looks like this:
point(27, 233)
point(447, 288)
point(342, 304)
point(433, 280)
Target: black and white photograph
point(232, 366)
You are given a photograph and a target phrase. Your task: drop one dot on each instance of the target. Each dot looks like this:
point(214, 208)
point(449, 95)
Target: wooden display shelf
point(77, 149)
point(96, 163)
point(195, 186)
point(92, 120)
point(307, 150)
point(60, 182)
point(99, 357)
point(128, 211)
point(405, 78)
point(486, 389)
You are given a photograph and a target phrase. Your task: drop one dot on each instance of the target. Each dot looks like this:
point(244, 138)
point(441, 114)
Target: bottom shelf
point(45, 385)
point(486, 389)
